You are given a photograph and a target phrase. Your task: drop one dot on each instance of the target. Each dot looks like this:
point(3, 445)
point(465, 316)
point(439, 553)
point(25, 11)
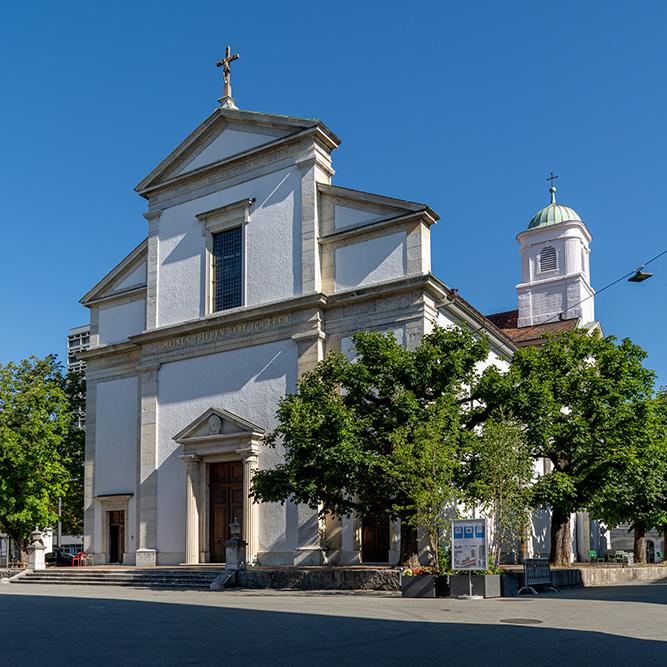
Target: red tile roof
point(529, 335)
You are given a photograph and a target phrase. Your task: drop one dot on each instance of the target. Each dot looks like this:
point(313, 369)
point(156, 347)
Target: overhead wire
point(618, 280)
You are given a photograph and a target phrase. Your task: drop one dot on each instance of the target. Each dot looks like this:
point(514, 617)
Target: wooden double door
point(226, 504)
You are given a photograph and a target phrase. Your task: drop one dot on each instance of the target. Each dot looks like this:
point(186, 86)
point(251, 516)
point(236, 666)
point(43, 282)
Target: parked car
point(58, 558)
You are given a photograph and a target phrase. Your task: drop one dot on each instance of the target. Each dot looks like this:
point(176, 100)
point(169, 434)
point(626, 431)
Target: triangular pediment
point(127, 276)
point(217, 424)
point(225, 134)
point(342, 208)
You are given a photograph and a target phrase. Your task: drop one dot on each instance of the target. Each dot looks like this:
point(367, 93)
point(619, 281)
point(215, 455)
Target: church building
point(254, 267)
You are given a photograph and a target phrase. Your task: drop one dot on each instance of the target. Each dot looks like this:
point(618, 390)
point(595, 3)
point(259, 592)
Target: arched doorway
point(650, 551)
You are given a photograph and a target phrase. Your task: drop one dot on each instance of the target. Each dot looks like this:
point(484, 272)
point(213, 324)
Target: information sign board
point(469, 544)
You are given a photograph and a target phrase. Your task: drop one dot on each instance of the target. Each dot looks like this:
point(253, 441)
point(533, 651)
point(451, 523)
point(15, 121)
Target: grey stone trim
point(119, 298)
point(284, 127)
point(253, 164)
point(125, 267)
point(152, 267)
point(146, 510)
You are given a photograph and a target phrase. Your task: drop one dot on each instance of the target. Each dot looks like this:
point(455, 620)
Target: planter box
point(425, 586)
point(421, 586)
point(486, 585)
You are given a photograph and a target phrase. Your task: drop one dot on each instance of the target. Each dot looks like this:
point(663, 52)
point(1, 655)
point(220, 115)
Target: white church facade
point(254, 267)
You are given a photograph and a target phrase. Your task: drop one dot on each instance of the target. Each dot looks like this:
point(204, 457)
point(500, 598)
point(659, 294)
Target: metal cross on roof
point(551, 178)
point(227, 100)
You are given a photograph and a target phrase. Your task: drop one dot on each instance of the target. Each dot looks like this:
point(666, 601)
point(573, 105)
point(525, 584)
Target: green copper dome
point(553, 214)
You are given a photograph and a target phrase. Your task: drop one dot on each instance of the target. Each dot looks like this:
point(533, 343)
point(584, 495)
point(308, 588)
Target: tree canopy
point(354, 427)
point(35, 419)
point(581, 398)
point(635, 492)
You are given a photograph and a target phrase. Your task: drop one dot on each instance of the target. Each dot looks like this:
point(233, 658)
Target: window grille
point(227, 269)
point(548, 259)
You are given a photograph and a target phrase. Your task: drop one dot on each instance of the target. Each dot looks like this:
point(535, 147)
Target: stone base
point(275, 558)
point(309, 556)
point(345, 558)
point(146, 558)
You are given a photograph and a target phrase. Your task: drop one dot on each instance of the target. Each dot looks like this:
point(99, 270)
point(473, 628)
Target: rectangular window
point(227, 269)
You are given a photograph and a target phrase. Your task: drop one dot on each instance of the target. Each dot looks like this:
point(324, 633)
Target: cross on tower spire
point(552, 189)
point(227, 101)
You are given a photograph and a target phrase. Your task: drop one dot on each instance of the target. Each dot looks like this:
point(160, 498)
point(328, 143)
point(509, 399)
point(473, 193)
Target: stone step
point(154, 579)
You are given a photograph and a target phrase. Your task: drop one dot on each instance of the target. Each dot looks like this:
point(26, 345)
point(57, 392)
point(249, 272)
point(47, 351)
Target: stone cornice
point(226, 318)
point(129, 263)
point(354, 230)
point(242, 163)
point(137, 292)
point(380, 200)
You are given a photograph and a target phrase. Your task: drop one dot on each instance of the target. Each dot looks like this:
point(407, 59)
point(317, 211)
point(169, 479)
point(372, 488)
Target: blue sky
point(465, 106)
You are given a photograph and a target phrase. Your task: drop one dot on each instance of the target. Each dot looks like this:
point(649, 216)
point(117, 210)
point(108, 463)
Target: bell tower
point(555, 272)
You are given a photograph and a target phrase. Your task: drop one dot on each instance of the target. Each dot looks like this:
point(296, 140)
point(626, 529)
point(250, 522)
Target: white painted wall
point(228, 143)
point(135, 279)
point(345, 216)
point(247, 382)
point(116, 436)
point(116, 323)
point(371, 262)
point(272, 247)
point(545, 294)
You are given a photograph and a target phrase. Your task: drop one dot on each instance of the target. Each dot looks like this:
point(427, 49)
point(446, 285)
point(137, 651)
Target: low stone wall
point(389, 579)
point(608, 576)
point(320, 579)
point(602, 575)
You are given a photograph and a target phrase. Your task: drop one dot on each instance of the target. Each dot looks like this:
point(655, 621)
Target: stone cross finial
point(227, 101)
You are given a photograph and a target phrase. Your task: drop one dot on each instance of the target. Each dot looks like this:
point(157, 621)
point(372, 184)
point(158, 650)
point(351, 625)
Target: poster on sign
point(469, 548)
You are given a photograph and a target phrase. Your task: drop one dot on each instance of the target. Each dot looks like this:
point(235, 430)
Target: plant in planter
point(424, 582)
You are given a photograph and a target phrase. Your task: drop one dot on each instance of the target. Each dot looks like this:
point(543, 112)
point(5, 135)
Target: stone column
point(192, 484)
point(250, 527)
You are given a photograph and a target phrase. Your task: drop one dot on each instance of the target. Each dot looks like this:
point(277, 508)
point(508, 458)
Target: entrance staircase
point(165, 578)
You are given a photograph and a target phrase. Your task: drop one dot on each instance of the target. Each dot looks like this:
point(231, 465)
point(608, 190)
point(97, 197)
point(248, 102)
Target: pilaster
point(310, 252)
point(192, 493)
point(147, 468)
point(152, 268)
point(250, 519)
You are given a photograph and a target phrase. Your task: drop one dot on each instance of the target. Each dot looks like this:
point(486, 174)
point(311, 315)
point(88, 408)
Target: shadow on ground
point(58, 630)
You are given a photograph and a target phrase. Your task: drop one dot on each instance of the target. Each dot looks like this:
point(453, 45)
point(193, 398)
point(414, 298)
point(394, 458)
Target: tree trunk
point(561, 540)
point(409, 549)
point(640, 544)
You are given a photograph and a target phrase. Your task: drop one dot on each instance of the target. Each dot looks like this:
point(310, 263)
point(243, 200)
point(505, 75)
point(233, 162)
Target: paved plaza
point(60, 625)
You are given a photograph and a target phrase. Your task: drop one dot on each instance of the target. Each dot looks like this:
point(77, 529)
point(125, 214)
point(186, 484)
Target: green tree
point(497, 479)
point(34, 420)
point(72, 452)
point(577, 397)
point(423, 467)
point(636, 486)
point(348, 419)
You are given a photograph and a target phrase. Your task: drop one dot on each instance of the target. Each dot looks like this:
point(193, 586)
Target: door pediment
point(219, 431)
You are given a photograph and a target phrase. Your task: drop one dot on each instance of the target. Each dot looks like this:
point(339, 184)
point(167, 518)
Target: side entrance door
point(375, 539)
point(116, 536)
point(226, 504)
